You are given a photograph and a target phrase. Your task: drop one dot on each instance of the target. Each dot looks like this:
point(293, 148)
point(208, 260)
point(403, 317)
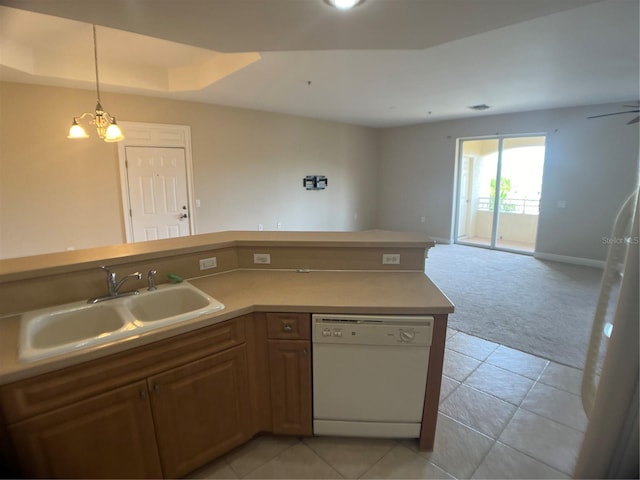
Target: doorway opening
point(499, 188)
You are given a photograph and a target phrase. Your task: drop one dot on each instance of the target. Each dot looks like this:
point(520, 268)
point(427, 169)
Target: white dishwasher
point(369, 374)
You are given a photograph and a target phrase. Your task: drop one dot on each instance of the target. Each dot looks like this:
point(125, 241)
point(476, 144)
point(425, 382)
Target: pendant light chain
point(95, 59)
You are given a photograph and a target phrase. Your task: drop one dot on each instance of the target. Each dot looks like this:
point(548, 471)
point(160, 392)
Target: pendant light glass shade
point(76, 131)
point(113, 133)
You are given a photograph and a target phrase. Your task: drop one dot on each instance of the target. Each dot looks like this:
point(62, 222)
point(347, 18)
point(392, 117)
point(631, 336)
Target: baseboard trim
point(586, 262)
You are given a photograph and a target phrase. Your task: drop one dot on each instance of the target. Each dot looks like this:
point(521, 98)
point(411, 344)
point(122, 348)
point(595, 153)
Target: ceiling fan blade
point(615, 113)
point(635, 120)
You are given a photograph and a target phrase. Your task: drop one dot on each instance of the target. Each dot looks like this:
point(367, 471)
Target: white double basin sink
point(66, 328)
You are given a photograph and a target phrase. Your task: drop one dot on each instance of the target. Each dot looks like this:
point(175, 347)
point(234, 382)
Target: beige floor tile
point(518, 362)
point(501, 383)
point(562, 377)
point(447, 386)
point(458, 449)
point(545, 440)
point(458, 366)
point(472, 346)
point(401, 462)
point(478, 410)
point(218, 469)
point(451, 332)
point(257, 452)
point(505, 462)
point(351, 457)
point(556, 404)
point(298, 461)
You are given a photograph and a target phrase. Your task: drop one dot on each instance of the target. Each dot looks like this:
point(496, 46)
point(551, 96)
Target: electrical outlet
point(207, 263)
point(262, 258)
point(391, 259)
point(260, 227)
point(279, 226)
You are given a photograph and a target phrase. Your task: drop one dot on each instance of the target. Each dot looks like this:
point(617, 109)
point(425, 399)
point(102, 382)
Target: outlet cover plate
point(391, 259)
point(262, 258)
point(207, 263)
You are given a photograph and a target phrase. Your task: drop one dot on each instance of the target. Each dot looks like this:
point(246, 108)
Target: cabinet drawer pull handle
point(287, 328)
point(143, 394)
point(304, 351)
point(156, 388)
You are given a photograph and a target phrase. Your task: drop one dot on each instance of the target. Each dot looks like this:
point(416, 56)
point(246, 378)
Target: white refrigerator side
point(610, 447)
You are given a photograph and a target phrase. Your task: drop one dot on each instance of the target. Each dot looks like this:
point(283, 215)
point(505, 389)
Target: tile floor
point(503, 414)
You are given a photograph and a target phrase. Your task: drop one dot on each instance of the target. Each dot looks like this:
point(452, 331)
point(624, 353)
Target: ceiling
point(384, 63)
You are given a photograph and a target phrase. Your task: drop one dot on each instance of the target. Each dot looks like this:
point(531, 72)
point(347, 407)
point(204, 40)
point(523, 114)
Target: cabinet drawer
point(289, 326)
point(53, 390)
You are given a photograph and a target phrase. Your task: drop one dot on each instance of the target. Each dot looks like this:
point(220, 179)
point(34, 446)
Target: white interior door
point(158, 194)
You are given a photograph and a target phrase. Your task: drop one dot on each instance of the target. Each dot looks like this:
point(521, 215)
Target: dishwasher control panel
point(373, 329)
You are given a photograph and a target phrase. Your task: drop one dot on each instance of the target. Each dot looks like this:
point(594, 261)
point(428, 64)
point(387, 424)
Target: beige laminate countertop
point(246, 291)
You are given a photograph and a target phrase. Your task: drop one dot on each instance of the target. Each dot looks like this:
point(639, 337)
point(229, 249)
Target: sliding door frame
point(496, 201)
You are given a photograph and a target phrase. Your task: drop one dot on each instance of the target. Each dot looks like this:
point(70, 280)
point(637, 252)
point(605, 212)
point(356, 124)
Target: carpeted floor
point(540, 307)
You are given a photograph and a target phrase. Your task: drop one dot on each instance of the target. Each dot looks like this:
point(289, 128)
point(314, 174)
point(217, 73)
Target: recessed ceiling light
point(480, 107)
point(344, 4)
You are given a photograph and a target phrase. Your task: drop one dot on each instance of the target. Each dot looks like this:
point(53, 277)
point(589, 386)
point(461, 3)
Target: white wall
point(248, 167)
point(590, 164)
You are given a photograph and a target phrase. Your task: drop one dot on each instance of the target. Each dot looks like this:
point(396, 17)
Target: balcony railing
point(526, 206)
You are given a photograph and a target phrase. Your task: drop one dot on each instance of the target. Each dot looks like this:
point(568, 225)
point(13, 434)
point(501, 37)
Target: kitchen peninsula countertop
point(310, 272)
point(65, 262)
point(246, 291)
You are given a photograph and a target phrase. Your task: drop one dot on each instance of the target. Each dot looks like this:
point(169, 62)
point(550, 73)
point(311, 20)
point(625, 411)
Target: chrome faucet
point(113, 285)
point(151, 280)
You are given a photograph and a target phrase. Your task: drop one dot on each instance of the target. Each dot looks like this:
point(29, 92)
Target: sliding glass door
point(499, 186)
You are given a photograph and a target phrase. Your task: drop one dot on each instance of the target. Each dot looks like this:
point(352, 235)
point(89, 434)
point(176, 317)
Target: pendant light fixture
point(108, 129)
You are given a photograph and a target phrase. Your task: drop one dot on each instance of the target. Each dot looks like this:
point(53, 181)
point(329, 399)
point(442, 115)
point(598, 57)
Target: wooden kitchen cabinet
point(290, 363)
point(288, 326)
point(290, 373)
point(107, 436)
point(184, 403)
point(201, 410)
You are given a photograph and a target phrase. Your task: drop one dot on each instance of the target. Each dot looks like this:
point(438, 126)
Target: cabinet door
point(201, 410)
point(107, 436)
point(290, 375)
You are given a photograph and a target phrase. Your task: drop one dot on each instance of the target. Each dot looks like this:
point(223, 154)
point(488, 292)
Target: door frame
point(154, 135)
point(500, 137)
